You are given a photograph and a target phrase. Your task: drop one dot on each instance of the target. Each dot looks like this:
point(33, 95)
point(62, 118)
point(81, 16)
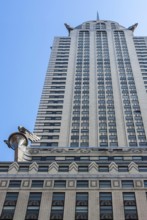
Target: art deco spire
point(97, 16)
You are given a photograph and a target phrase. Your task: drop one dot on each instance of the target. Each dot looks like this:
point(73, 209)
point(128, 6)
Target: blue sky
point(27, 30)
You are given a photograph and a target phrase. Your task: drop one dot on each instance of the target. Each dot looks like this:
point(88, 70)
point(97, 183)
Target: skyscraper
point(92, 96)
point(91, 160)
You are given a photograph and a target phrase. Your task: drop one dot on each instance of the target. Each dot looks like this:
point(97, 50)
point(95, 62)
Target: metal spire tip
point(97, 16)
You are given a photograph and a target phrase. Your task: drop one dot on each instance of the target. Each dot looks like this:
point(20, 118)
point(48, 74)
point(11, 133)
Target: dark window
point(145, 183)
point(34, 158)
point(103, 169)
point(84, 144)
point(118, 158)
point(123, 169)
point(9, 205)
point(84, 158)
point(37, 183)
point(142, 169)
point(51, 144)
point(4, 168)
point(49, 158)
point(60, 183)
point(83, 168)
point(15, 183)
point(104, 144)
point(63, 169)
point(81, 211)
point(74, 144)
point(105, 184)
point(127, 184)
point(43, 169)
point(23, 169)
point(106, 211)
point(82, 183)
point(33, 206)
point(137, 158)
point(103, 158)
point(69, 158)
point(57, 209)
point(130, 208)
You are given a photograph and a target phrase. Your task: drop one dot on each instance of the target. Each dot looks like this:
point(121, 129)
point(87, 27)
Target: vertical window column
point(130, 208)
point(106, 113)
point(132, 112)
point(57, 210)
point(9, 205)
point(49, 117)
point(81, 211)
point(106, 210)
point(33, 206)
point(80, 119)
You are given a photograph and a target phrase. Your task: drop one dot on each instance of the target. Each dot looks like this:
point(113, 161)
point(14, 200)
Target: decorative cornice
point(133, 167)
point(33, 168)
point(93, 168)
point(53, 168)
point(73, 168)
point(113, 167)
point(13, 168)
point(30, 151)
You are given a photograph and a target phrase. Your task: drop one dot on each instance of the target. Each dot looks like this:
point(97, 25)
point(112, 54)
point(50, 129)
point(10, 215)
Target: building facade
point(92, 96)
point(91, 160)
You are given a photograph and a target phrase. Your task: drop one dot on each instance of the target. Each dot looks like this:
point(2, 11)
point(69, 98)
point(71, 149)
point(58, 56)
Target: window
point(23, 169)
point(84, 144)
point(75, 130)
point(137, 158)
point(43, 169)
point(84, 137)
point(74, 144)
point(81, 211)
point(37, 183)
point(84, 158)
point(105, 184)
point(59, 183)
point(143, 144)
point(127, 184)
point(74, 137)
point(83, 169)
point(69, 158)
point(50, 137)
point(106, 211)
point(118, 158)
point(49, 158)
point(63, 169)
point(142, 168)
point(52, 124)
point(51, 144)
point(57, 209)
point(103, 144)
point(123, 168)
point(130, 208)
point(103, 158)
point(133, 144)
point(82, 183)
point(15, 183)
point(103, 169)
point(4, 168)
point(9, 205)
point(33, 206)
point(145, 183)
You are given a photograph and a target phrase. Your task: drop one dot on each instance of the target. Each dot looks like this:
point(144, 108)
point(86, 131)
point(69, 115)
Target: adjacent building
point(91, 160)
